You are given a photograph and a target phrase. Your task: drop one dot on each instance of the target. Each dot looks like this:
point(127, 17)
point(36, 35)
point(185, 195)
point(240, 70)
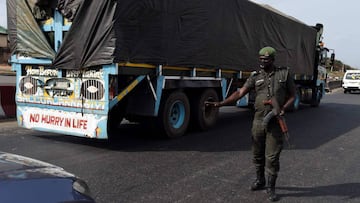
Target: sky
point(341, 30)
point(340, 20)
point(3, 20)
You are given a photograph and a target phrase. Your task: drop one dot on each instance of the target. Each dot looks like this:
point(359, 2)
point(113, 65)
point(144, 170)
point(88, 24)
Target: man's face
point(265, 62)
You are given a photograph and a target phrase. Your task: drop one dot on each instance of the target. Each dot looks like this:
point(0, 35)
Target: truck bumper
point(63, 122)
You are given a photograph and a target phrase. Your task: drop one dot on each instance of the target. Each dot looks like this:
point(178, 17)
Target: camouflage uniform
point(268, 143)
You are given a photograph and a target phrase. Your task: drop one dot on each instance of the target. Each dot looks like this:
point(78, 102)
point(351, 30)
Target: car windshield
point(353, 76)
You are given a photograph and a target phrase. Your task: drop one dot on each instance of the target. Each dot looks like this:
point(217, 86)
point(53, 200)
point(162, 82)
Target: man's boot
point(271, 188)
point(259, 183)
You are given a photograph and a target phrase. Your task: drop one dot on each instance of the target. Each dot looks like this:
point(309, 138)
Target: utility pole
point(332, 59)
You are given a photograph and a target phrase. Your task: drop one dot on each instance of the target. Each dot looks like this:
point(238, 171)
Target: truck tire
point(202, 118)
point(174, 115)
point(317, 97)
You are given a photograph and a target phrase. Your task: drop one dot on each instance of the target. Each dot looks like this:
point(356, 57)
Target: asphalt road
point(213, 166)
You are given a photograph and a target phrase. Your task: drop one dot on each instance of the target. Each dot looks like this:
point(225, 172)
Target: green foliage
point(338, 66)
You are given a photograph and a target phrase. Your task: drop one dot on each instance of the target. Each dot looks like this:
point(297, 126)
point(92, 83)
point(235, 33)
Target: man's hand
point(213, 104)
point(282, 112)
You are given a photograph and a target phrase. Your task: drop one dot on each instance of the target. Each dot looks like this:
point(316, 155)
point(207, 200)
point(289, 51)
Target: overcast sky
point(340, 20)
point(3, 21)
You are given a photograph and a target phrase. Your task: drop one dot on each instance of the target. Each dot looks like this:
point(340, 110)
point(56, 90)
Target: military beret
point(267, 51)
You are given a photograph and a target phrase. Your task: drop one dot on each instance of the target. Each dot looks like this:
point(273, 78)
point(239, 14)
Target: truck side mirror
point(332, 59)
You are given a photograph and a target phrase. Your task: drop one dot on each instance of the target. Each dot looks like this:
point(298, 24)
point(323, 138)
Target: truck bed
point(187, 33)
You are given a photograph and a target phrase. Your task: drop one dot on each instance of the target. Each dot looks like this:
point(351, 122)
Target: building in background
point(4, 46)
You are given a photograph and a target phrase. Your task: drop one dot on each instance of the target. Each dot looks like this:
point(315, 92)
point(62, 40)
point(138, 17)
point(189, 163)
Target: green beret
point(267, 51)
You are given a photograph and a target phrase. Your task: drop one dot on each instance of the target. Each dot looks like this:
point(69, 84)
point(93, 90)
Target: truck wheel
point(174, 115)
point(202, 118)
point(317, 97)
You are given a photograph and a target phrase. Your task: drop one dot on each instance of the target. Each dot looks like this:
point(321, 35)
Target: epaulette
point(282, 68)
point(254, 73)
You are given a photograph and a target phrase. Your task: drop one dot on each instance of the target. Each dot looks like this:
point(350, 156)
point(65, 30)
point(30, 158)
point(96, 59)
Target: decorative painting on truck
point(64, 101)
point(41, 85)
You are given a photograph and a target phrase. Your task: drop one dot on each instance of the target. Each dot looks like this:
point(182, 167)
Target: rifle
point(275, 112)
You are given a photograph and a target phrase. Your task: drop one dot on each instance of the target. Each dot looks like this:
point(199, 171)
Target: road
point(213, 166)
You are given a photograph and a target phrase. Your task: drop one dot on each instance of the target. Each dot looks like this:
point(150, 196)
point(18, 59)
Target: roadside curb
point(330, 85)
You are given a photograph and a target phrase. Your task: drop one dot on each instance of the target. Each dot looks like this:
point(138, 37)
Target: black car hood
point(14, 166)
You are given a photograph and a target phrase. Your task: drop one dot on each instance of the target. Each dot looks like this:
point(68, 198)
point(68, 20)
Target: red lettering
point(61, 121)
point(85, 124)
point(34, 118)
point(73, 123)
point(44, 118)
point(52, 119)
point(57, 119)
point(68, 122)
point(79, 123)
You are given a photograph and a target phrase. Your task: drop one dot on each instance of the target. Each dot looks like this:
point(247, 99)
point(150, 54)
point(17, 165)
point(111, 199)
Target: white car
point(351, 81)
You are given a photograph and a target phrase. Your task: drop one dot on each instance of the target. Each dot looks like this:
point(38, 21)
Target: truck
point(84, 67)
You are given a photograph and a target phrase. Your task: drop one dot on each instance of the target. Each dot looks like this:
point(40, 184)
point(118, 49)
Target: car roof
point(352, 71)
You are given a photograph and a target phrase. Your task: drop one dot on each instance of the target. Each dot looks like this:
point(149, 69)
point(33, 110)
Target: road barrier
point(333, 85)
point(7, 101)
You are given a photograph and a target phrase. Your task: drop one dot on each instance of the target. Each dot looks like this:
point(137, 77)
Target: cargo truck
point(83, 66)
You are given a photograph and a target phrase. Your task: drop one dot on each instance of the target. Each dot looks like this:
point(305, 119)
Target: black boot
point(259, 183)
point(271, 189)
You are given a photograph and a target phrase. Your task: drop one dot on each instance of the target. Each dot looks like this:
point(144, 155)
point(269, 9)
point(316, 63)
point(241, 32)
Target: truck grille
point(92, 89)
point(28, 85)
point(59, 87)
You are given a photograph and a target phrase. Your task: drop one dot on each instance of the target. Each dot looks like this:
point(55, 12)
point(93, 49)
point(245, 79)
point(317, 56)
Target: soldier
point(267, 141)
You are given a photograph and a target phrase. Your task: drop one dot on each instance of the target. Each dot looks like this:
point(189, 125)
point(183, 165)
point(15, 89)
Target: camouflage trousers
point(267, 144)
